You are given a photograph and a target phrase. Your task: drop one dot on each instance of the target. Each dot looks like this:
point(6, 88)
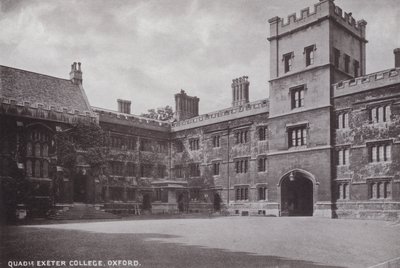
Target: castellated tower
point(240, 91)
point(307, 54)
point(186, 106)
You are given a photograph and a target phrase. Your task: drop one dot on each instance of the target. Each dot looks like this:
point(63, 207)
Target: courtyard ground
point(209, 242)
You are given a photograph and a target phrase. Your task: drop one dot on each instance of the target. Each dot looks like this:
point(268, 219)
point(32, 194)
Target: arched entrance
point(297, 190)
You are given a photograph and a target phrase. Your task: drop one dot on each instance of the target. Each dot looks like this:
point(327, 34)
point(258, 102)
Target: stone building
point(325, 143)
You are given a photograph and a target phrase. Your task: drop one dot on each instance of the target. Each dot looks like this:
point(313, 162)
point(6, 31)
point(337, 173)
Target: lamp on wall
point(291, 176)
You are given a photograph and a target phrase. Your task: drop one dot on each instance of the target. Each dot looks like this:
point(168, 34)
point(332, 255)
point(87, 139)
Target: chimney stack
point(396, 52)
point(186, 106)
point(240, 91)
point(76, 73)
point(124, 106)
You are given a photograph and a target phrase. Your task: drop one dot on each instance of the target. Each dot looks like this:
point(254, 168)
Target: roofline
point(34, 72)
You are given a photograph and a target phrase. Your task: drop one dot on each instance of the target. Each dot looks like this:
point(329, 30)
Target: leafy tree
point(85, 139)
point(162, 113)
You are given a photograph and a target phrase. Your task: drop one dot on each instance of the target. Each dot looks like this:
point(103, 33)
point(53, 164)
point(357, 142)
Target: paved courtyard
point(211, 242)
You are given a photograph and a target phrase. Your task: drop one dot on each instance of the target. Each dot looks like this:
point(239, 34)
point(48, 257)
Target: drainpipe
point(229, 179)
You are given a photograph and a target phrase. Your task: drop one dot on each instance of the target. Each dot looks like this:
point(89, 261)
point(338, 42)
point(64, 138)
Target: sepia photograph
point(200, 133)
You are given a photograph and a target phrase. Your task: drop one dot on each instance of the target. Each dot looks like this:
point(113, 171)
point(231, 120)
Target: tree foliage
point(162, 113)
point(85, 139)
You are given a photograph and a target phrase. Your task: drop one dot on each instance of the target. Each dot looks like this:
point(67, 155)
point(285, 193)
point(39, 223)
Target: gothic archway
point(297, 194)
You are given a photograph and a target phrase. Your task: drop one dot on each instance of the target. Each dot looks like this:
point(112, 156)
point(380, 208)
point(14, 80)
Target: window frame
point(309, 53)
point(297, 96)
point(346, 63)
point(380, 150)
point(301, 135)
point(287, 59)
point(241, 192)
point(216, 168)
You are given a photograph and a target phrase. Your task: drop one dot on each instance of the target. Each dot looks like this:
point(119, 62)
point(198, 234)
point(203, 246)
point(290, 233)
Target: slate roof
point(35, 88)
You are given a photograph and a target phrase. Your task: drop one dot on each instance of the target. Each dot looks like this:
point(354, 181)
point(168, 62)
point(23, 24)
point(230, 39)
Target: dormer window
point(309, 53)
point(287, 59)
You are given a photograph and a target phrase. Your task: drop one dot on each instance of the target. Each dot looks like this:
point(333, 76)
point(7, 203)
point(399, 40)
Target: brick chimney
point(186, 106)
point(396, 52)
point(240, 91)
point(124, 106)
point(76, 73)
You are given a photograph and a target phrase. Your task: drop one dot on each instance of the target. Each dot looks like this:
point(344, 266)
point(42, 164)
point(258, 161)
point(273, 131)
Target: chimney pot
point(396, 52)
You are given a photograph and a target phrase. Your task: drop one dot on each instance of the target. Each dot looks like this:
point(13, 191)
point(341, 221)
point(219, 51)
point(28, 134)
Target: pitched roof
point(26, 86)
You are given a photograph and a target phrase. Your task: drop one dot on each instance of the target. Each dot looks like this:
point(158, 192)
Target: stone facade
point(325, 143)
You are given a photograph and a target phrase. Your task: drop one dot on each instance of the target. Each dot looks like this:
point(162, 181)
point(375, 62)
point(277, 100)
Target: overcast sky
point(146, 51)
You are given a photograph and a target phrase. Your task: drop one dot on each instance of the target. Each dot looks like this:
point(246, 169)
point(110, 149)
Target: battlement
point(251, 108)
point(324, 9)
point(46, 112)
point(110, 116)
point(367, 82)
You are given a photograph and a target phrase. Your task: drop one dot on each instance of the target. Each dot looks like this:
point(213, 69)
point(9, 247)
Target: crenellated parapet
point(367, 82)
point(110, 116)
point(324, 9)
point(45, 112)
point(251, 108)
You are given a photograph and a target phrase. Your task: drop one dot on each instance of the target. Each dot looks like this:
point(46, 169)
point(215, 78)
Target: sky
point(146, 51)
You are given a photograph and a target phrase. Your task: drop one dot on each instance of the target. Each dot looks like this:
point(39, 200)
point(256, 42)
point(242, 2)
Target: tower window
point(356, 68)
point(297, 97)
point(288, 60)
point(336, 54)
point(297, 136)
point(346, 63)
point(309, 52)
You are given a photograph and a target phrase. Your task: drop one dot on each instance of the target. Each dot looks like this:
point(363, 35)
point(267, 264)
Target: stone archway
point(297, 193)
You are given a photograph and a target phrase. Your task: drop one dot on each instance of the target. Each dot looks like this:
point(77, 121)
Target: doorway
point(217, 202)
point(80, 188)
point(296, 195)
